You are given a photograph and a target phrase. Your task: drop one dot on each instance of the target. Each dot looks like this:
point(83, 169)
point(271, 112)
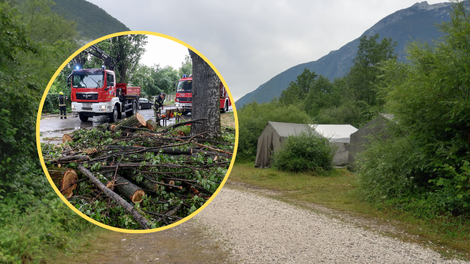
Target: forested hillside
point(414, 23)
point(92, 21)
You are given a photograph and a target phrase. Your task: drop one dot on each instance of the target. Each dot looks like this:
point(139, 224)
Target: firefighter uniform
point(157, 106)
point(62, 105)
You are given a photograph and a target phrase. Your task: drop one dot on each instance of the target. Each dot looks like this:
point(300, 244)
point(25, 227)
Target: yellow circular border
point(38, 138)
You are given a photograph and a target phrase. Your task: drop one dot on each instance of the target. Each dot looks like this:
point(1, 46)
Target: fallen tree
point(137, 178)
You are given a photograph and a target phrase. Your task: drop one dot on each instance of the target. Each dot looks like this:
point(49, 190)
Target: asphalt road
point(52, 128)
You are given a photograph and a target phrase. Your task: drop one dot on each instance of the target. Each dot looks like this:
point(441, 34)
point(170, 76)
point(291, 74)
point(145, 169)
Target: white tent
point(335, 133)
point(338, 135)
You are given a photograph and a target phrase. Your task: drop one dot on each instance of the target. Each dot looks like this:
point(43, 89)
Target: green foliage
point(305, 152)
point(186, 67)
point(348, 100)
point(428, 160)
point(43, 225)
point(33, 218)
point(298, 90)
point(252, 119)
point(363, 76)
point(159, 200)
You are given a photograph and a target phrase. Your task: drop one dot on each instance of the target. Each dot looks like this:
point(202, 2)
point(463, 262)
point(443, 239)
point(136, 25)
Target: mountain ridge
point(92, 21)
point(416, 22)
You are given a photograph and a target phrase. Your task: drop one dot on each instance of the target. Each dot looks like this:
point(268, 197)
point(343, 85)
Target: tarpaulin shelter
point(376, 128)
point(275, 133)
point(272, 139)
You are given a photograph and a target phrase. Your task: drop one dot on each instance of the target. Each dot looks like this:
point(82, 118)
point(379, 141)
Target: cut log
point(67, 184)
point(151, 124)
point(144, 223)
point(57, 174)
point(67, 138)
point(136, 120)
point(128, 189)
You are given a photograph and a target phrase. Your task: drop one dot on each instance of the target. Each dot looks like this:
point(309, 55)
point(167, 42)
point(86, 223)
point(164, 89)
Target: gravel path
point(256, 229)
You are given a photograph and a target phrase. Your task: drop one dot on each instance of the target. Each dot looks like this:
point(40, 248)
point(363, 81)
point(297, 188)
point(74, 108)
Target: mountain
point(417, 22)
point(92, 21)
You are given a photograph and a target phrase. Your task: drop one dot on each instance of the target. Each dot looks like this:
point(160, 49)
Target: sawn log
point(144, 223)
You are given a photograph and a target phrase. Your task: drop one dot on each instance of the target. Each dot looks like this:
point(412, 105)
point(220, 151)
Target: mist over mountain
point(417, 22)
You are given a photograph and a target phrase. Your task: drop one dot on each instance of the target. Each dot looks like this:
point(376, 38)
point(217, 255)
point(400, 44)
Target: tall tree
point(206, 104)
point(363, 76)
point(127, 50)
point(430, 99)
point(298, 90)
point(186, 66)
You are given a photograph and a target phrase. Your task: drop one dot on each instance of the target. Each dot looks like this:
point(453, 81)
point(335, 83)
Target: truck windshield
point(87, 80)
point(184, 86)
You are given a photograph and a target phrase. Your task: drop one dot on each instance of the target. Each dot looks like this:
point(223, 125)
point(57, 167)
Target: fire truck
point(184, 95)
point(95, 92)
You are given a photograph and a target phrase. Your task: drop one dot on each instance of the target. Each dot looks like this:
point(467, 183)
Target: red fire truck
point(184, 95)
point(95, 92)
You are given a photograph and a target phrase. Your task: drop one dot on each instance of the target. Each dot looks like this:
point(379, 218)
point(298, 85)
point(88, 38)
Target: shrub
point(305, 152)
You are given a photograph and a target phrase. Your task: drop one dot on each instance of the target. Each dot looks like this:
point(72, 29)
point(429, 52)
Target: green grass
point(338, 190)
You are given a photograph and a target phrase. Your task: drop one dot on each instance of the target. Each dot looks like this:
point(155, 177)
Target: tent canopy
point(275, 133)
point(335, 133)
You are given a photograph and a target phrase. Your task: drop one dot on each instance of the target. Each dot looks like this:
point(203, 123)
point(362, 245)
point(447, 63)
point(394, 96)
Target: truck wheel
point(226, 106)
point(133, 111)
point(114, 115)
point(83, 118)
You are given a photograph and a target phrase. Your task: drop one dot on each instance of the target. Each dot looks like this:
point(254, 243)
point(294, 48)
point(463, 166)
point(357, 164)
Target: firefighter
point(157, 106)
point(62, 105)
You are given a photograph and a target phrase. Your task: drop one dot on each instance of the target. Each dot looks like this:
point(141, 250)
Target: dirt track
point(245, 227)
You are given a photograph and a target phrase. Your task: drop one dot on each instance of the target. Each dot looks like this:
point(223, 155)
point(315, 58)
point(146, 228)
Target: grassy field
point(336, 194)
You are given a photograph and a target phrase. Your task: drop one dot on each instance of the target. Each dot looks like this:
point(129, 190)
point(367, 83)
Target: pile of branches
point(128, 175)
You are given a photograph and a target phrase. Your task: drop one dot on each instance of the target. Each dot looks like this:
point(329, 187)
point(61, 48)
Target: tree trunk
point(206, 98)
point(136, 120)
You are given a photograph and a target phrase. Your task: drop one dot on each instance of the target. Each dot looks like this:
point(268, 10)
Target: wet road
point(52, 128)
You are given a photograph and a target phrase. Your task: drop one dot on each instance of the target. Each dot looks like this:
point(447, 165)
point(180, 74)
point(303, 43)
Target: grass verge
point(337, 190)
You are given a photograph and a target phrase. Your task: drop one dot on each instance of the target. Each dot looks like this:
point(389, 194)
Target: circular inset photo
point(136, 132)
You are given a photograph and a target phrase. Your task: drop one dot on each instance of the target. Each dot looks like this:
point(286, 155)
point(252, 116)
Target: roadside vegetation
point(420, 173)
point(35, 224)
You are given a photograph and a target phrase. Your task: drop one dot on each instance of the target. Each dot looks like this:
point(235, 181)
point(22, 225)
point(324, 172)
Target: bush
point(305, 152)
point(388, 169)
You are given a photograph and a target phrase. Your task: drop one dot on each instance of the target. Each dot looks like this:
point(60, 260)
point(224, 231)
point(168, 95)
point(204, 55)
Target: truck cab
point(95, 92)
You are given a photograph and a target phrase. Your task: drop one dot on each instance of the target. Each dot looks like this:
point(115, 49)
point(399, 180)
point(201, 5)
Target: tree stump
point(136, 120)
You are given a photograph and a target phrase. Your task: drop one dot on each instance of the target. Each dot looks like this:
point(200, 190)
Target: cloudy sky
point(250, 41)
